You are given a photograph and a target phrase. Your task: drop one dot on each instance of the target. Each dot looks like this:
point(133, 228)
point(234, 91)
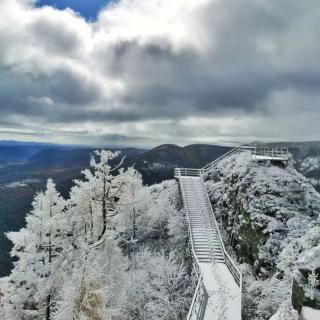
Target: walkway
point(221, 278)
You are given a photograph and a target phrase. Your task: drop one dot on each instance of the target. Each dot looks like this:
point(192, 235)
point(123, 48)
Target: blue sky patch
point(89, 9)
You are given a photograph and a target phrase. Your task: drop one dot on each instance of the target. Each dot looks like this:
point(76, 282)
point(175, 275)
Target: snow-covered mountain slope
point(306, 158)
point(270, 217)
point(308, 162)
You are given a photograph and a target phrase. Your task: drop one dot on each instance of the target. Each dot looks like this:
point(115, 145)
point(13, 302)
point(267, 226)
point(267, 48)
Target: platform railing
point(281, 154)
point(212, 164)
point(187, 172)
point(209, 166)
point(272, 153)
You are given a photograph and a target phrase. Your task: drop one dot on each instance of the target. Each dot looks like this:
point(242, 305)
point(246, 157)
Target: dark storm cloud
point(72, 88)
point(211, 60)
point(10, 106)
point(303, 81)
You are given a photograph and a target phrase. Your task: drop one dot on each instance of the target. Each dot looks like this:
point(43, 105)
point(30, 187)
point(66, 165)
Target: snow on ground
point(21, 184)
point(309, 314)
point(276, 316)
point(224, 293)
point(310, 163)
point(276, 158)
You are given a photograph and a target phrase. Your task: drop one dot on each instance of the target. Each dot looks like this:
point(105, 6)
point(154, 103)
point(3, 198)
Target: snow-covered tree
point(40, 250)
point(313, 282)
point(158, 288)
point(95, 199)
point(286, 312)
point(132, 202)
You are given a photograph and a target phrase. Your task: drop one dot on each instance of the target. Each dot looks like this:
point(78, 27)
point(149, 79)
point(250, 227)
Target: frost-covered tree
point(313, 282)
point(158, 288)
point(40, 250)
point(93, 286)
point(96, 197)
point(286, 312)
point(93, 264)
point(132, 202)
point(149, 215)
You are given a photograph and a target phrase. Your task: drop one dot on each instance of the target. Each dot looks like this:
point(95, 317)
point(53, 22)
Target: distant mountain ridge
point(70, 157)
point(18, 153)
point(155, 165)
point(158, 163)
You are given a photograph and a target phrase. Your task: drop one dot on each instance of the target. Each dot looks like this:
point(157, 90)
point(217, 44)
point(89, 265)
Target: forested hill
point(157, 164)
point(270, 215)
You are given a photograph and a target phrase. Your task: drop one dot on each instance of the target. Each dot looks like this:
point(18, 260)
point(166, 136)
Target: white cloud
point(169, 71)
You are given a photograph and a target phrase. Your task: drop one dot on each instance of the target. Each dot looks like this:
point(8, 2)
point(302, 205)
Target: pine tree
point(40, 250)
point(313, 282)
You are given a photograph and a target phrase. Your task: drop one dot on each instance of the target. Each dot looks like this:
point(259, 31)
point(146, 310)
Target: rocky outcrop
point(306, 281)
point(269, 215)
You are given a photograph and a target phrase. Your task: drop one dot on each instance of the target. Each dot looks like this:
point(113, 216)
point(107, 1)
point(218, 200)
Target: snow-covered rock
point(310, 260)
point(269, 215)
point(306, 282)
point(262, 207)
point(310, 314)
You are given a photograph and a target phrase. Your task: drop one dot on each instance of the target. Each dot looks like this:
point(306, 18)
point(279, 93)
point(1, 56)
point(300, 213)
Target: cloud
point(162, 71)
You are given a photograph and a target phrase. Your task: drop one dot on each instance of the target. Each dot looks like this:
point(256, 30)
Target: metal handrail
point(282, 153)
point(186, 172)
point(263, 151)
point(231, 265)
point(214, 162)
point(200, 297)
point(199, 312)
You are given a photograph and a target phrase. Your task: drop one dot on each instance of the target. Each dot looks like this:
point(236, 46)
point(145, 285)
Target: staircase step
point(203, 251)
point(199, 242)
point(204, 233)
point(208, 256)
point(203, 244)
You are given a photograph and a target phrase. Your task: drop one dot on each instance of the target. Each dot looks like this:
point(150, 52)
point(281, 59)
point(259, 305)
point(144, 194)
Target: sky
point(88, 9)
point(142, 72)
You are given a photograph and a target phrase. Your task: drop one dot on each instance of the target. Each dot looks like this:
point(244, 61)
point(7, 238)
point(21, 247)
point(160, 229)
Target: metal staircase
point(206, 240)
point(217, 295)
point(216, 272)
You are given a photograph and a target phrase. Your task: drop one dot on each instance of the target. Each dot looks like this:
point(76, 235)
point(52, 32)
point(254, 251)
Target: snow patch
point(308, 313)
